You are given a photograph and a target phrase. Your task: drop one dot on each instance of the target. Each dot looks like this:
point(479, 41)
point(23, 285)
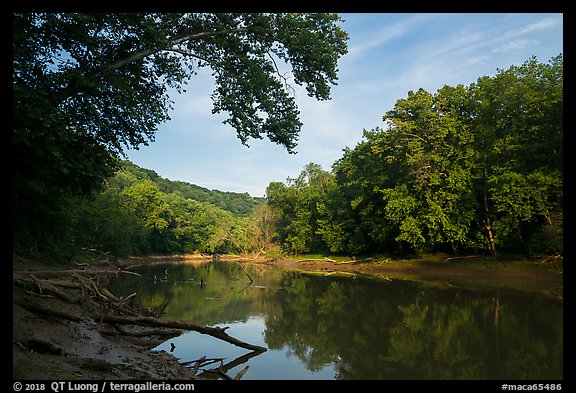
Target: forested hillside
point(139, 212)
point(239, 204)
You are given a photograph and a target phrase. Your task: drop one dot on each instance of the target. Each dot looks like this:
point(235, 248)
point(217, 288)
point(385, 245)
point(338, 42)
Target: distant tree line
point(139, 213)
point(475, 168)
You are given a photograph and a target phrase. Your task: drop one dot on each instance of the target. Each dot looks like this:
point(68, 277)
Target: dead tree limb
point(246, 273)
point(159, 314)
point(241, 373)
point(151, 321)
point(197, 365)
point(463, 257)
point(203, 361)
point(230, 365)
point(44, 287)
point(152, 332)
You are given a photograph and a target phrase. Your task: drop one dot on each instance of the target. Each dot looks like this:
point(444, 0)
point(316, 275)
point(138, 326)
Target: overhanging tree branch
point(145, 53)
point(190, 54)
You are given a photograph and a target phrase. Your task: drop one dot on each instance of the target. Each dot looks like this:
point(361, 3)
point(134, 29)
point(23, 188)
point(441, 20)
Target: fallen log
point(151, 321)
point(47, 287)
point(144, 333)
point(70, 272)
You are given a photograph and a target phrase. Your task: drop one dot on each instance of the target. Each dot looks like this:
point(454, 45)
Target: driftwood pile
point(114, 314)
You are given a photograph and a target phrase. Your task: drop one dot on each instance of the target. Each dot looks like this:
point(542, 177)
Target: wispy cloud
point(513, 45)
point(542, 24)
point(462, 52)
point(363, 44)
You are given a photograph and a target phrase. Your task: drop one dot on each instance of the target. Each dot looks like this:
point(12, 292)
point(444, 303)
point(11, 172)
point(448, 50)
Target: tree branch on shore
point(216, 332)
point(86, 283)
point(459, 257)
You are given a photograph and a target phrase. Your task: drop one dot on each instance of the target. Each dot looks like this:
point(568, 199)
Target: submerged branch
point(246, 273)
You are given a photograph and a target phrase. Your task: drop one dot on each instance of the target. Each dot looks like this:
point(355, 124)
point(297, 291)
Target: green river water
point(327, 327)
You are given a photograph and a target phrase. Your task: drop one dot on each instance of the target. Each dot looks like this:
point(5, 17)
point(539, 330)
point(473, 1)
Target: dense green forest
point(466, 169)
point(86, 87)
point(475, 168)
point(138, 212)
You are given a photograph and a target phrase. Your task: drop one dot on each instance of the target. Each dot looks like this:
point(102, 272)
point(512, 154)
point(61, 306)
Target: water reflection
point(339, 328)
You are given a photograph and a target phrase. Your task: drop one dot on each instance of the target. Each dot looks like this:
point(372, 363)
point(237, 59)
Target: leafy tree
point(434, 203)
point(518, 123)
point(411, 183)
point(148, 203)
point(282, 199)
point(88, 86)
point(265, 227)
point(474, 167)
point(358, 217)
point(103, 226)
point(187, 227)
point(300, 204)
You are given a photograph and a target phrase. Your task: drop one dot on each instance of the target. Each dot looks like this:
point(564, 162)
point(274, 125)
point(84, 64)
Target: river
point(333, 327)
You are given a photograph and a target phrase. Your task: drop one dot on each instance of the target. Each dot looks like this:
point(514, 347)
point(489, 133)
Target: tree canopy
point(86, 87)
point(467, 168)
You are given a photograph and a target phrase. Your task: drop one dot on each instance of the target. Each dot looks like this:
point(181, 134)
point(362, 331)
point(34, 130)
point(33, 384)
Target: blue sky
point(389, 55)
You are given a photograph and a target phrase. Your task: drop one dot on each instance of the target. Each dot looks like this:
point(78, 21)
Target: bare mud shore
point(438, 274)
point(55, 339)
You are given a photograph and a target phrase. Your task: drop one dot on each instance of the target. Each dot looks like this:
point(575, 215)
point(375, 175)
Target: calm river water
point(326, 327)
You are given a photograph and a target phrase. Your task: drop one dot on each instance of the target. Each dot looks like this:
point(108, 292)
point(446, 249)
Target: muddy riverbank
point(55, 335)
point(468, 273)
point(507, 272)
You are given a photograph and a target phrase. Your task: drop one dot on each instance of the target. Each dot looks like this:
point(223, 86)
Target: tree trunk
point(490, 238)
point(489, 235)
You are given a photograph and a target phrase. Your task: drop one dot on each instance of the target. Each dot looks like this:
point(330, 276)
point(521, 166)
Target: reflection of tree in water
point(369, 329)
point(402, 331)
point(295, 323)
point(345, 322)
point(440, 339)
point(540, 356)
point(208, 293)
